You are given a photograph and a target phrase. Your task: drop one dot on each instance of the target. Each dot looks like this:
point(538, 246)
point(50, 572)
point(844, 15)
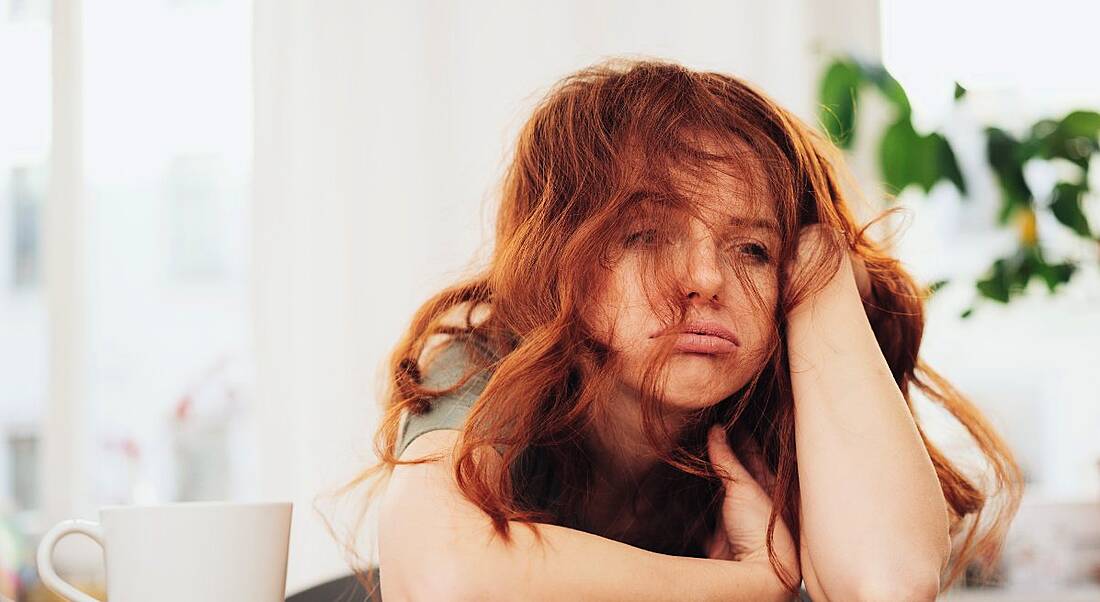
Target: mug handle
point(45, 556)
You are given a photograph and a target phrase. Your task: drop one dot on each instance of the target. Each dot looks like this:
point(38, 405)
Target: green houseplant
point(909, 158)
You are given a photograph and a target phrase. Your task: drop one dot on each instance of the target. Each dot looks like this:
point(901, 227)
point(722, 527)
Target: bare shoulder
point(424, 520)
point(436, 450)
point(430, 486)
point(411, 481)
point(411, 526)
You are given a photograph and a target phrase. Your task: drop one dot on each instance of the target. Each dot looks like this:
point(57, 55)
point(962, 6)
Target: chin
point(689, 404)
point(695, 380)
point(694, 383)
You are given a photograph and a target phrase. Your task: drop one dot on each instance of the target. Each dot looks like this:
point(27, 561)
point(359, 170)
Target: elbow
point(466, 576)
point(427, 574)
point(920, 586)
point(914, 576)
point(446, 581)
point(455, 591)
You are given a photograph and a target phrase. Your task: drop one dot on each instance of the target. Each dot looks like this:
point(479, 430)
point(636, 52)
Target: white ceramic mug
point(187, 551)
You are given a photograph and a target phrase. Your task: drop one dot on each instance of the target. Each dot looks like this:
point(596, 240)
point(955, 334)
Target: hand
point(813, 239)
point(743, 522)
point(862, 276)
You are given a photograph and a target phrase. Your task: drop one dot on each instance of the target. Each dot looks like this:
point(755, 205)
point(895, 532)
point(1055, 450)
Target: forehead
point(733, 189)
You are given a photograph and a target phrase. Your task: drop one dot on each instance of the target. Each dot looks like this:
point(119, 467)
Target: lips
point(702, 337)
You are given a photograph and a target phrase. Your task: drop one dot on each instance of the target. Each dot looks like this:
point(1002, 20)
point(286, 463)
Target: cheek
point(618, 313)
point(755, 319)
point(605, 315)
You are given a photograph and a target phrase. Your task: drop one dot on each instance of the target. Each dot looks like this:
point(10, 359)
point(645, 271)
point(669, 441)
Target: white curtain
point(381, 128)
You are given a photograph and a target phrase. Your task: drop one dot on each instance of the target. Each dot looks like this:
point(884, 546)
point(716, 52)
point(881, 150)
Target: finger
point(862, 276)
point(713, 542)
point(715, 539)
point(753, 459)
point(719, 545)
point(722, 456)
point(748, 451)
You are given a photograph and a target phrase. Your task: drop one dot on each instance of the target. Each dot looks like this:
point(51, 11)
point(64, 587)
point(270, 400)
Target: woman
point(685, 374)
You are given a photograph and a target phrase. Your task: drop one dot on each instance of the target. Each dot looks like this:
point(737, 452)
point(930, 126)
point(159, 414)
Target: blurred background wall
point(218, 216)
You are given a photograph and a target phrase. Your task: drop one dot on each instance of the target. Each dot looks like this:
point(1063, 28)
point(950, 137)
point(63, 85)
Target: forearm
point(873, 512)
point(570, 564)
point(434, 544)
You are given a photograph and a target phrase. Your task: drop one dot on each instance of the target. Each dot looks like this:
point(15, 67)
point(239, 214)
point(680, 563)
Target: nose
point(703, 279)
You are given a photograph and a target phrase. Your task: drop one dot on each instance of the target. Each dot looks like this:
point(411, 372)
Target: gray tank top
point(447, 411)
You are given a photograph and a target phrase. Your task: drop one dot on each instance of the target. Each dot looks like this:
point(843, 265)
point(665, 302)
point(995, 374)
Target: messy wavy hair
point(607, 145)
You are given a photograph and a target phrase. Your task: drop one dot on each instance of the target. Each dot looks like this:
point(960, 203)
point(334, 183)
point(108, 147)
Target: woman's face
point(731, 228)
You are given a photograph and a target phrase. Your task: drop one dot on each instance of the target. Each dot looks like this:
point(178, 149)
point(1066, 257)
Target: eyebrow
point(755, 223)
point(638, 196)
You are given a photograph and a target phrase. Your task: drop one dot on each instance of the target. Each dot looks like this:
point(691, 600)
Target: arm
point(436, 545)
point(874, 519)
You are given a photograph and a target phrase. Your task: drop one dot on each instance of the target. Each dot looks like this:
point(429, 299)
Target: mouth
point(702, 337)
point(690, 342)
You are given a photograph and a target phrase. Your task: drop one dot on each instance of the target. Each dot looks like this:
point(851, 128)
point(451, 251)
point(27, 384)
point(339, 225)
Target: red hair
point(599, 137)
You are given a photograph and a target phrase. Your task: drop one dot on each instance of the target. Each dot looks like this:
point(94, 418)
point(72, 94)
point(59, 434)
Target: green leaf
point(1009, 276)
point(1007, 161)
point(1074, 138)
point(1057, 274)
point(906, 157)
point(949, 166)
point(890, 88)
point(897, 151)
point(1081, 123)
point(959, 91)
point(935, 286)
point(1043, 128)
point(838, 99)
point(1054, 274)
point(1021, 266)
point(996, 284)
point(1066, 207)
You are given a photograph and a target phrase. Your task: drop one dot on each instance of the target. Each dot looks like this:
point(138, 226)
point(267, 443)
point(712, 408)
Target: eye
point(643, 238)
point(756, 250)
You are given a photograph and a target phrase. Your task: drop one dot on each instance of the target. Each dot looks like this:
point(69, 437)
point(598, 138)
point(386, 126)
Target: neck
point(623, 452)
